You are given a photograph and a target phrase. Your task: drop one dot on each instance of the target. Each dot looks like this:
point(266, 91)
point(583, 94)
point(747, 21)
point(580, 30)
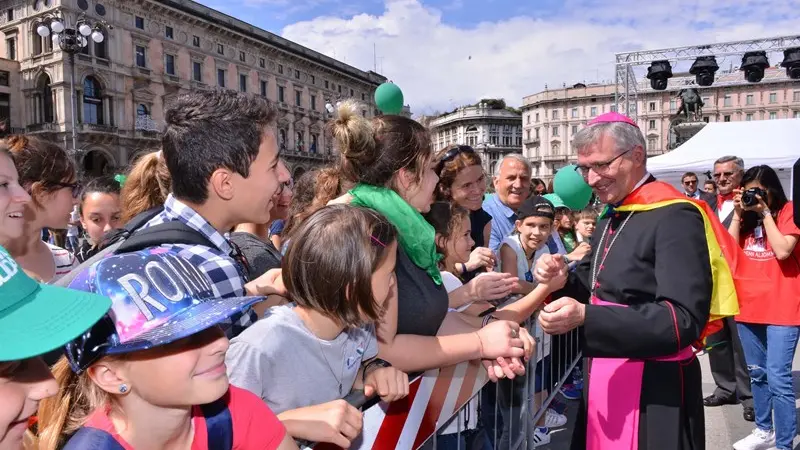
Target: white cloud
point(440, 66)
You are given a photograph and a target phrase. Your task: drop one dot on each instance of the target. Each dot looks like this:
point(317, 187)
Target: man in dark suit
point(726, 356)
point(689, 181)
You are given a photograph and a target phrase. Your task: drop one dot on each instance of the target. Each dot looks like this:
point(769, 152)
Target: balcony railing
point(41, 127)
point(297, 153)
point(97, 128)
point(549, 158)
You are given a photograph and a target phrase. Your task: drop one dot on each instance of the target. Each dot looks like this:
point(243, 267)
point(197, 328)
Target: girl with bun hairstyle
point(387, 164)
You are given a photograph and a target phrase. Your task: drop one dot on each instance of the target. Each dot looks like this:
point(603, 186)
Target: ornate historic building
point(553, 116)
point(152, 51)
point(492, 131)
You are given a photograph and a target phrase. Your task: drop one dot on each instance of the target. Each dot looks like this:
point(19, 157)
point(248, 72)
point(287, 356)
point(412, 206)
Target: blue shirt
point(503, 219)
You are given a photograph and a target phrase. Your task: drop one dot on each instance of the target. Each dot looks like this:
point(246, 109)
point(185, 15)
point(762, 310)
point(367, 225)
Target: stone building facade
point(493, 132)
point(552, 117)
point(154, 50)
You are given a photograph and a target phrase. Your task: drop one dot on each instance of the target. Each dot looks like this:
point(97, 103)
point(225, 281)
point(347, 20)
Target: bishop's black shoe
point(749, 414)
point(713, 401)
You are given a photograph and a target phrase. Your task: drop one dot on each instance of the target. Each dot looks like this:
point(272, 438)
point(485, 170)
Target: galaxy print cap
point(157, 297)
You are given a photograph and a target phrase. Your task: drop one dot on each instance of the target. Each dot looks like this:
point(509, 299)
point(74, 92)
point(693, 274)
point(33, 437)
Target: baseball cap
point(157, 297)
point(536, 206)
point(36, 318)
point(555, 200)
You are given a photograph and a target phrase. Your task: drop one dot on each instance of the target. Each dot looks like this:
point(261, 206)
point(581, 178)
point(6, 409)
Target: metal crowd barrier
point(447, 408)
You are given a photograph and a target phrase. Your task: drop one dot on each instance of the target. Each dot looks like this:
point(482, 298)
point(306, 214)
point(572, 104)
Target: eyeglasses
point(599, 168)
point(688, 182)
point(719, 175)
point(76, 188)
point(451, 154)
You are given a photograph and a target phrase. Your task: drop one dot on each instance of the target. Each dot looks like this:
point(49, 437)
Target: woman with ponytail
point(387, 165)
point(146, 186)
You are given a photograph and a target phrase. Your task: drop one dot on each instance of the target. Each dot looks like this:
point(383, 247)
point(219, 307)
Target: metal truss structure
point(628, 87)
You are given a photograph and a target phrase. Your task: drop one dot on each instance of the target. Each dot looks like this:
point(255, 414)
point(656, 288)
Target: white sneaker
point(541, 436)
point(553, 419)
point(757, 440)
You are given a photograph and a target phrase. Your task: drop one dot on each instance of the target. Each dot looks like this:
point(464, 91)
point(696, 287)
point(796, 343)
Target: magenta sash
point(615, 390)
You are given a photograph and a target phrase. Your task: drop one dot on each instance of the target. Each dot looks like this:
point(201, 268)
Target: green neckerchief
point(416, 235)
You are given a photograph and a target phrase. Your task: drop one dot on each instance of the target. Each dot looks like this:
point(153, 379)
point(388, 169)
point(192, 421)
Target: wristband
point(463, 269)
point(375, 363)
point(766, 213)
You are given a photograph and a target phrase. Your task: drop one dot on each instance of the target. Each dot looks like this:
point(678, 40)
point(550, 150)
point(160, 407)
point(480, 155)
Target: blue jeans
point(769, 351)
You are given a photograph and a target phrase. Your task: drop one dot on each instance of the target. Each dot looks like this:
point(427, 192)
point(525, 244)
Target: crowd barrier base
point(446, 399)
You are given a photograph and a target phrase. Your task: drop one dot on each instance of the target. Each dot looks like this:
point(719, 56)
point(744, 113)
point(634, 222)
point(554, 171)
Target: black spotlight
point(753, 64)
point(791, 60)
point(658, 73)
point(703, 69)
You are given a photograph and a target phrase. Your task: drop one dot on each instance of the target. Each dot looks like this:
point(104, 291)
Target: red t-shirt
point(255, 426)
point(782, 306)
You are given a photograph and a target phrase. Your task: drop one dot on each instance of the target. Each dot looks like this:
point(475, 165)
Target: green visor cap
point(36, 318)
point(555, 200)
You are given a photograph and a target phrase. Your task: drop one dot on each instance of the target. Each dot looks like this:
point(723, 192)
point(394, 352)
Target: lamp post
point(72, 40)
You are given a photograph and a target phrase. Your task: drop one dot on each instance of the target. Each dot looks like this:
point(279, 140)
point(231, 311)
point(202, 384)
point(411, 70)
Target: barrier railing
point(452, 404)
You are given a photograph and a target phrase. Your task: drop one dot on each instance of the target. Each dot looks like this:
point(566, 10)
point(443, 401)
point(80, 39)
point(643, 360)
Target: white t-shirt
point(64, 260)
point(469, 414)
point(74, 217)
point(522, 269)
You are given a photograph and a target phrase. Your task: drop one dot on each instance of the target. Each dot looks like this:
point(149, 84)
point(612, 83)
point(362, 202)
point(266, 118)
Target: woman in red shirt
point(769, 326)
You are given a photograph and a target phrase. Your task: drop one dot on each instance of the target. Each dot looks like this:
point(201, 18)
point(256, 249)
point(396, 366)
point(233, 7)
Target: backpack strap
point(219, 424)
point(89, 438)
point(173, 232)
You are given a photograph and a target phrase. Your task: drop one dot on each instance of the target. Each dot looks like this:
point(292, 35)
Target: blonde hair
point(146, 187)
point(371, 151)
point(63, 414)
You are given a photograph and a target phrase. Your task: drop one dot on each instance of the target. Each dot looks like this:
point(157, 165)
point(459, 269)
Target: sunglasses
point(688, 182)
point(451, 155)
point(76, 188)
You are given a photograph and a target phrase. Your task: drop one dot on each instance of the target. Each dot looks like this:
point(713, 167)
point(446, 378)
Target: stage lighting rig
point(658, 73)
point(791, 60)
point(753, 65)
point(704, 68)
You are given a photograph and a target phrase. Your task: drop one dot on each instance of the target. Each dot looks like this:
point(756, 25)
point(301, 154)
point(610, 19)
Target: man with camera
point(725, 353)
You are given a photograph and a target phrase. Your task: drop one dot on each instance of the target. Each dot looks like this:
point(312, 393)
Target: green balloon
point(570, 186)
point(389, 98)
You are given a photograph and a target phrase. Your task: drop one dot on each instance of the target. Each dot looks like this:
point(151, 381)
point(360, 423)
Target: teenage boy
point(221, 151)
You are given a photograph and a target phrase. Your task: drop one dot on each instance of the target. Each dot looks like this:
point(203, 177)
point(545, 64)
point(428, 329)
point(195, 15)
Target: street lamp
point(72, 40)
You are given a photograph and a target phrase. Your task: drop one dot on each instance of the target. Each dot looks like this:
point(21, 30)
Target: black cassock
point(659, 257)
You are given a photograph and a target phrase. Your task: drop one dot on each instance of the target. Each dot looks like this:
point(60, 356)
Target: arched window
point(299, 141)
point(142, 110)
point(45, 99)
point(92, 102)
point(313, 147)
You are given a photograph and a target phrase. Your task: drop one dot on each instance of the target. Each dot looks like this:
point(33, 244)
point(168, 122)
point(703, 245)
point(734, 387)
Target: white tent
point(775, 143)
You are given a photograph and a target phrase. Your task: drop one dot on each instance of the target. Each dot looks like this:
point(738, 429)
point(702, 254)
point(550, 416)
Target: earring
point(123, 388)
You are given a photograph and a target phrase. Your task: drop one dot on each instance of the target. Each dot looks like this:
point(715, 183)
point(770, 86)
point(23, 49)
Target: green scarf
point(416, 235)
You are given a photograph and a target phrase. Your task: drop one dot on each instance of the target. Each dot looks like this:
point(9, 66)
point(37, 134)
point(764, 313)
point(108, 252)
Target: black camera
point(749, 198)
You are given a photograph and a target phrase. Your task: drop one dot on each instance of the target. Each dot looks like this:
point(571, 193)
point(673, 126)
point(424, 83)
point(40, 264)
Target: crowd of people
point(210, 301)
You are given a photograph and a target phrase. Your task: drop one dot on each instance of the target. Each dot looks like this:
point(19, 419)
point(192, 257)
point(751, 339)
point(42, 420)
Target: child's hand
point(580, 252)
point(556, 282)
point(480, 257)
point(336, 422)
point(388, 383)
point(271, 283)
point(492, 286)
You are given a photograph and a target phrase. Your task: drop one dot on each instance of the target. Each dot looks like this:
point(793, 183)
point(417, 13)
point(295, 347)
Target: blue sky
point(444, 53)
